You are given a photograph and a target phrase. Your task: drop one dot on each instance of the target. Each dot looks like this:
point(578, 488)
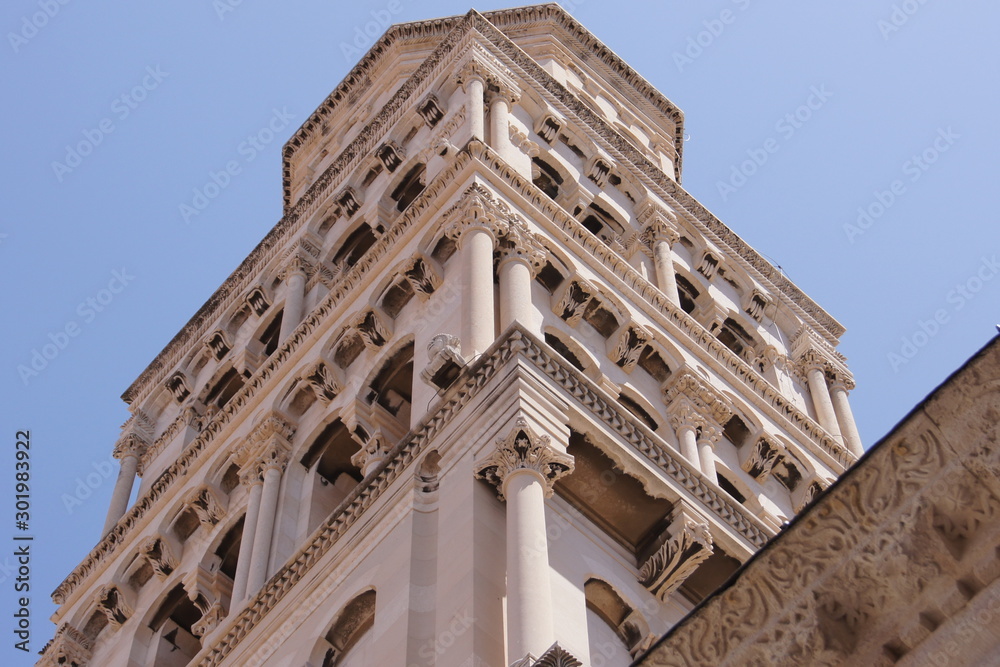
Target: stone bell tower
point(495, 390)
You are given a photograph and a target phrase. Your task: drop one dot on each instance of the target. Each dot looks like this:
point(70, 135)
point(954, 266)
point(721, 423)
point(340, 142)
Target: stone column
point(521, 258)
point(845, 417)
point(295, 285)
point(658, 236)
point(524, 467)
point(816, 378)
point(474, 84)
point(128, 450)
point(500, 108)
point(476, 232)
point(706, 450)
point(254, 482)
point(686, 427)
point(273, 467)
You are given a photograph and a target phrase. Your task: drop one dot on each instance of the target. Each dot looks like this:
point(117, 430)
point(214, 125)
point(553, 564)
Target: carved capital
point(444, 361)
point(390, 155)
point(476, 210)
point(272, 428)
point(69, 648)
point(557, 656)
point(688, 543)
point(372, 452)
point(659, 224)
point(206, 505)
point(764, 455)
point(573, 300)
point(111, 602)
point(684, 414)
point(430, 110)
point(219, 344)
point(159, 555)
point(177, 385)
point(423, 275)
point(522, 449)
point(322, 378)
point(548, 128)
point(258, 301)
point(631, 341)
point(520, 244)
point(131, 444)
point(373, 329)
point(706, 400)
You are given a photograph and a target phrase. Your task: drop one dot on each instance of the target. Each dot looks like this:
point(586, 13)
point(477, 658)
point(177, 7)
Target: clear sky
point(852, 143)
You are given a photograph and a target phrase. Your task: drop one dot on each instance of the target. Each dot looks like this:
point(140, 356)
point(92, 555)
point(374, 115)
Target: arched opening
point(392, 388)
point(354, 246)
point(227, 387)
point(546, 178)
point(687, 293)
point(602, 224)
point(174, 643)
point(607, 623)
point(735, 337)
point(332, 476)
point(269, 336)
point(409, 187)
point(349, 642)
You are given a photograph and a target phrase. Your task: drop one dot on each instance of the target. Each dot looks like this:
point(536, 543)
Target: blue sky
point(852, 143)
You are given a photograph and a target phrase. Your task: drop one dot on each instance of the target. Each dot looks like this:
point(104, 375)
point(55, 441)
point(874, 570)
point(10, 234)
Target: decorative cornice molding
point(68, 648)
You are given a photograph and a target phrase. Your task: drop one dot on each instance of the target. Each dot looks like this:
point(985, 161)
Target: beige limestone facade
point(494, 391)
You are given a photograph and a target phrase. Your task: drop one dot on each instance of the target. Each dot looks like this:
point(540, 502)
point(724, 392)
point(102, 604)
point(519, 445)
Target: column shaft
point(123, 491)
point(666, 280)
point(295, 286)
point(246, 544)
point(477, 110)
point(500, 127)
point(479, 327)
point(706, 452)
point(845, 417)
point(515, 296)
point(821, 401)
point(529, 594)
point(264, 532)
point(689, 444)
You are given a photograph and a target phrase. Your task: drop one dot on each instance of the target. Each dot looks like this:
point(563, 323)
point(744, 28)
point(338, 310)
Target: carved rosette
point(522, 449)
point(69, 648)
point(689, 543)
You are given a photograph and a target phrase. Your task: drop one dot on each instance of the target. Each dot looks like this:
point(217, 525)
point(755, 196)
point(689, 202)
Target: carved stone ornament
point(159, 556)
point(557, 656)
point(573, 302)
point(218, 344)
point(390, 155)
point(709, 265)
point(111, 602)
point(272, 431)
point(257, 301)
point(519, 243)
point(659, 224)
point(178, 386)
point(209, 620)
point(521, 141)
point(321, 378)
point(69, 648)
point(444, 361)
point(548, 128)
point(476, 210)
point(423, 276)
point(206, 505)
point(371, 453)
point(688, 544)
point(599, 171)
point(757, 304)
point(631, 342)
point(131, 444)
point(373, 330)
point(349, 202)
point(706, 400)
point(762, 459)
point(522, 449)
point(430, 111)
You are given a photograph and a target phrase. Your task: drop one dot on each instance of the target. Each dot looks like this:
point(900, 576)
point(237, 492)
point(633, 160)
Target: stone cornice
point(515, 342)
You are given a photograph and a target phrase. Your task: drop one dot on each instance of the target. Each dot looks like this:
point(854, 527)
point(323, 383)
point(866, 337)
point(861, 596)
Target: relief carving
point(522, 449)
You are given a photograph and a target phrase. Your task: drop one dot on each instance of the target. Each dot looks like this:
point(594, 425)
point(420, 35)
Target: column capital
point(130, 444)
point(688, 542)
point(473, 70)
point(372, 452)
point(159, 554)
point(476, 210)
point(842, 380)
point(69, 646)
point(520, 244)
point(112, 603)
point(523, 449)
point(685, 385)
point(272, 427)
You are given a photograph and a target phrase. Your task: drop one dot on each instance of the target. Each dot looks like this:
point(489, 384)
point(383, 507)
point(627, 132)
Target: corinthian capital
point(521, 244)
point(523, 449)
point(476, 210)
